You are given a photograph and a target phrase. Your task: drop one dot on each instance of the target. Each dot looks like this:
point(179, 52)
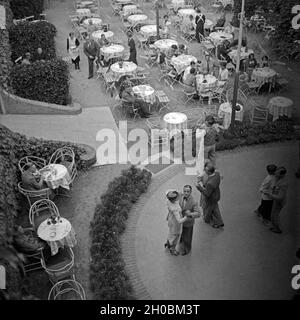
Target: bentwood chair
point(38, 162)
point(67, 290)
point(34, 195)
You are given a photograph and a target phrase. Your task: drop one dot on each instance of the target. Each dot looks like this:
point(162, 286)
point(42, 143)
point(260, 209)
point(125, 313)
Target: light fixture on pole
point(236, 79)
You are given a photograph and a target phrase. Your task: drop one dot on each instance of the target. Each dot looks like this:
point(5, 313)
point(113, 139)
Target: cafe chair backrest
point(38, 162)
point(42, 207)
point(34, 195)
point(67, 290)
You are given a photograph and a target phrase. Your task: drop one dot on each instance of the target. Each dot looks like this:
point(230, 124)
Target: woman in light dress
point(73, 49)
point(175, 221)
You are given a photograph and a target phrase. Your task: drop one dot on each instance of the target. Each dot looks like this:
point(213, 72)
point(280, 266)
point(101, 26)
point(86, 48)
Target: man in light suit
point(91, 50)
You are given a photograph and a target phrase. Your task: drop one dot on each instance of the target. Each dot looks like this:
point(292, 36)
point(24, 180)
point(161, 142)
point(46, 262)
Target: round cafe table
point(57, 235)
point(149, 30)
point(124, 1)
point(264, 75)
point(112, 51)
point(56, 175)
point(86, 3)
point(210, 83)
point(175, 122)
point(165, 44)
point(185, 13)
point(181, 62)
point(129, 9)
point(178, 4)
point(128, 68)
point(280, 106)
point(136, 18)
point(83, 12)
point(95, 21)
point(225, 111)
point(244, 55)
point(97, 34)
point(145, 92)
point(218, 37)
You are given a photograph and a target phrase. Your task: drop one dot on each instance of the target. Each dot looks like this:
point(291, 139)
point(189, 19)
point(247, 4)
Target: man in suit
point(91, 50)
point(190, 209)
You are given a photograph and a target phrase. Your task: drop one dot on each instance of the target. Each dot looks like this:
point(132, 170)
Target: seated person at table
point(189, 26)
point(265, 62)
point(26, 59)
point(223, 74)
point(182, 49)
point(236, 42)
point(91, 27)
point(191, 81)
point(251, 62)
point(223, 51)
point(103, 42)
point(229, 29)
point(220, 22)
point(166, 27)
point(32, 179)
point(187, 70)
point(127, 95)
point(206, 65)
point(173, 51)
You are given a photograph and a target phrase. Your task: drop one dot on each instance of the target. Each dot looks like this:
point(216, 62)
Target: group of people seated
point(28, 58)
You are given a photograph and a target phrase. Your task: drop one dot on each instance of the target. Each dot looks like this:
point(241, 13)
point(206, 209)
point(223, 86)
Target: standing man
point(279, 197)
point(199, 20)
point(132, 48)
point(191, 210)
point(91, 50)
point(210, 191)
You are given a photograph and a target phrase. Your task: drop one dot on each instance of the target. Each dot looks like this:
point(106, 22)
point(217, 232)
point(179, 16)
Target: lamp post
point(237, 69)
point(157, 18)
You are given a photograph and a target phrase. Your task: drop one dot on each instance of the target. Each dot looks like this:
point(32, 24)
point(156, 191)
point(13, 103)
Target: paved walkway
point(243, 261)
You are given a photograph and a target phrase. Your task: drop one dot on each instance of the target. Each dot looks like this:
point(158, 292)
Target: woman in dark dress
point(132, 48)
point(199, 20)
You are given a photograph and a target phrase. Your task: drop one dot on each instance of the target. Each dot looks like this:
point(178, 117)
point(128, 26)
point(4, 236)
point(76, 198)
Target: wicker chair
point(67, 290)
point(34, 195)
point(38, 162)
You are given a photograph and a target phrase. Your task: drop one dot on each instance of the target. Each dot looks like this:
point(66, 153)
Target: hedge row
point(26, 8)
point(48, 81)
point(108, 278)
point(28, 36)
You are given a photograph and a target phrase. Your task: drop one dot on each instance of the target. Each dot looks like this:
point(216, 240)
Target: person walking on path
point(91, 50)
point(73, 49)
point(297, 174)
point(210, 191)
point(265, 208)
point(132, 48)
point(279, 197)
point(199, 20)
point(175, 221)
point(191, 209)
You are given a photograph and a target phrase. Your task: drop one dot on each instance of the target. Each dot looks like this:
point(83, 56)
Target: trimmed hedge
point(48, 81)
point(26, 8)
point(27, 37)
point(108, 278)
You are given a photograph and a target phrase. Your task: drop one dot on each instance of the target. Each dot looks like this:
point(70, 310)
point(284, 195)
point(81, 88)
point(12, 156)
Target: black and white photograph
point(149, 151)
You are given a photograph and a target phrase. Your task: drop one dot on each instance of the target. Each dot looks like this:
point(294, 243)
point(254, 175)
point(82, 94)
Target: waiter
point(132, 48)
point(199, 20)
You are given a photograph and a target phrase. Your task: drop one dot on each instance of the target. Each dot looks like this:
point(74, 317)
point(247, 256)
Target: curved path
point(243, 261)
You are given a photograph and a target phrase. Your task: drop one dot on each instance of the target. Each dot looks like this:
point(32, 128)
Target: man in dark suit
point(91, 50)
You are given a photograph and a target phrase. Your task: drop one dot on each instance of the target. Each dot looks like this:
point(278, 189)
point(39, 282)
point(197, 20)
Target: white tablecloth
point(136, 18)
point(185, 13)
point(226, 2)
point(83, 12)
point(56, 175)
point(180, 63)
point(149, 30)
point(112, 51)
point(165, 44)
point(57, 235)
point(178, 4)
point(95, 21)
point(244, 55)
point(211, 82)
point(97, 34)
point(225, 111)
point(128, 9)
point(86, 3)
point(280, 106)
point(145, 92)
point(175, 122)
point(218, 37)
point(128, 68)
point(124, 1)
point(264, 75)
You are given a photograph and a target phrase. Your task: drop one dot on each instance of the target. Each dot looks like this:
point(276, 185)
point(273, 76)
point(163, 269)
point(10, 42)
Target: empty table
point(57, 235)
point(123, 68)
point(280, 106)
point(165, 44)
point(145, 92)
point(129, 9)
point(181, 62)
point(83, 12)
point(149, 30)
point(97, 34)
point(244, 54)
point(136, 18)
point(225, 111)
point(218, 37)
point(56, 175)
point(175, 122)
point(95, 21)
point(112, 51)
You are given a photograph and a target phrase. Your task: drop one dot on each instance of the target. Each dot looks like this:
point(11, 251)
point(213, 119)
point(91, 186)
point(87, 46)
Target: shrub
point(108, 278)
point(26, 8)
point(48, 81)
point(27, 37)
